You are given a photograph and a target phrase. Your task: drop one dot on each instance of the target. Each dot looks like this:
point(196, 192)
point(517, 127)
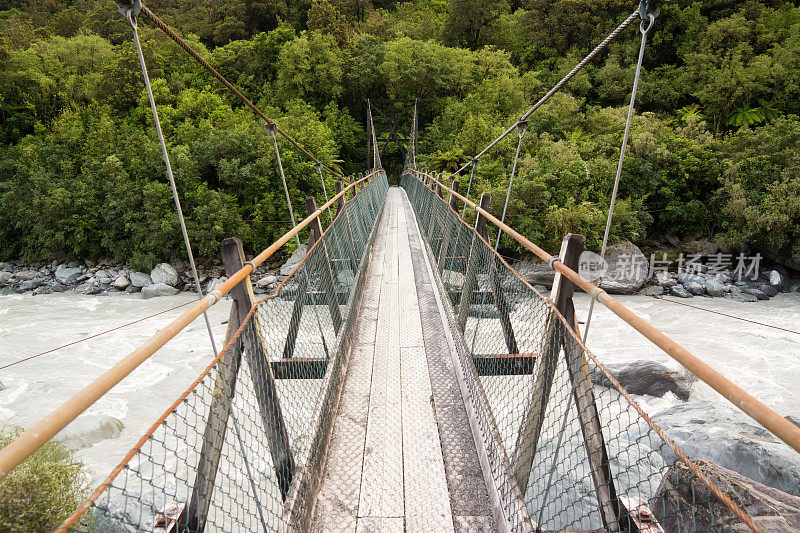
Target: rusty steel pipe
point(758, 411)
point(34, 438)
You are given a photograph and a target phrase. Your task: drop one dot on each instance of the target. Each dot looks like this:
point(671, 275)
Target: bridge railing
point(242, 448)
point(563, 454)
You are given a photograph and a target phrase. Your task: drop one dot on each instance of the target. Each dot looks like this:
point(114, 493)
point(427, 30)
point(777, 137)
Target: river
point(761, 360)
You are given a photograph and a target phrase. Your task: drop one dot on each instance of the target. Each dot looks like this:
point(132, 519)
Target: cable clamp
point(596, 292)
point(213, 297)
point(646, 14)
point(522, 127)
point(272, 128)
point(129, 9)
point(553, 260)
point(252, 265)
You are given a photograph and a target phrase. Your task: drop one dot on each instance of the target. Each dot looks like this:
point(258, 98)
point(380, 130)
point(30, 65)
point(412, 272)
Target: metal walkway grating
point(402, 456)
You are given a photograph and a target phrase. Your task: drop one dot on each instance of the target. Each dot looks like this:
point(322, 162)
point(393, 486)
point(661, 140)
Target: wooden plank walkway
point(395, 462)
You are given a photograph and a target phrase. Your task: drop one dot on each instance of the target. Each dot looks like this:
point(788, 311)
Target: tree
point(467, 21)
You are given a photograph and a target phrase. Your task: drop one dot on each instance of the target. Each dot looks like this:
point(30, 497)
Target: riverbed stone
point(121, 283)
point(716, 432)
point(714, 287)
point(266, 281)
point(627, 270)
point(27, 275)
point(741, 297)
point(88, 430)
point(140, 279)
point(647, 377)
point(4, 277)
point(652, 290)
point(534, 272)
point(164, 273)
point(42, 289)
point(757, 293)
point(158, 289)
point(28, 285)
point(769, 290)
point(680, 291)
point(675, 508)
point(779, 281)
point(685, 278)
point(58, 287)
point(695, 288)
point(68, 275)
point(666, 279)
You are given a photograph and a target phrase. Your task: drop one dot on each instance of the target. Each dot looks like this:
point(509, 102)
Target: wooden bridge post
point(470, 276)
point(350, 247)
point(328, 275)
point(533, 418)
point(193, 517)
point(557, 336)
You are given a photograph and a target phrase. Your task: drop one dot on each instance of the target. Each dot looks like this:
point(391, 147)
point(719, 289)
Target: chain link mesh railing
point(563, 454)
point(241, 449)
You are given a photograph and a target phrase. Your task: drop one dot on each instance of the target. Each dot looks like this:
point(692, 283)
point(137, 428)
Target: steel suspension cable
point(631, 106)
point(603, 44)
point(132, 21)
point(196, 56)
point(271, 130)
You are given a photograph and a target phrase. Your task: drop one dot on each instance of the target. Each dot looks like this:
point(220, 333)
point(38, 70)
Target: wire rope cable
point(196, 56)
point(631, 106)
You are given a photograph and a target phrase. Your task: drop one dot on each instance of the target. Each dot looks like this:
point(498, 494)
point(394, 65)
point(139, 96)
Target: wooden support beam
point(297, 313)
point(512, 364)
point(341, 202)
point(471, 274)
point(534, 415)
point(453, 197)
point(299, 368)
point(611, 509)
point(249, 344)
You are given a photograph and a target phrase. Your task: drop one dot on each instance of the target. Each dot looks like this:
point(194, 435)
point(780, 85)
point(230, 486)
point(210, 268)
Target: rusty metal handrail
point(34, 438)
point(758, 411)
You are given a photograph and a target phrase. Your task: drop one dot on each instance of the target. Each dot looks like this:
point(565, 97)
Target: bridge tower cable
point(591, 55)
point(130, 12)
point(646, 24)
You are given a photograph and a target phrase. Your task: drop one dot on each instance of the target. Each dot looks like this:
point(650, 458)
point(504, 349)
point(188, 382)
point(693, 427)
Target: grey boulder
point(68, 275)
point(627, 270)
point(715, 287)
point(779, 281)
point(757, 293)
point(769, 290)
point(140, 279)
point(164, 273)
point(674, 503)
point(121, 283)
point(695, 288)
point(647, 377)
point(294, 260)
point(5, 276)
point(27, 275)
point(266, 281)
point(158, 289)
point(653, 290)
point(680, 291)
point(741, 297)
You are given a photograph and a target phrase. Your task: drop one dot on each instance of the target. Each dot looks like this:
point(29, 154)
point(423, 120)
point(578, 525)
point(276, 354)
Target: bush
point(44, 490)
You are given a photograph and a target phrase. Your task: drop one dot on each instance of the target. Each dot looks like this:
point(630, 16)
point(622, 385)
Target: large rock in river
point(291, 263)
point(731, 439)
point(164, 273)
point(88, 430)
point(627, 269)
point(647, 377)
point(676, 503)
point(158, 289)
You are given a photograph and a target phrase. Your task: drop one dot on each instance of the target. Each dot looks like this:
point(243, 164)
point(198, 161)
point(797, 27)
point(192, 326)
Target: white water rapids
point(763, 361)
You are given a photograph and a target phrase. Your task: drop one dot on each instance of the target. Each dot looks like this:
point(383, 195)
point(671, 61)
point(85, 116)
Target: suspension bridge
point(404, 378)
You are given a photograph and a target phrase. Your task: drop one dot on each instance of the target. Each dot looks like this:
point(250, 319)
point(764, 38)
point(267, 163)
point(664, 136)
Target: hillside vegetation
point(713, 151)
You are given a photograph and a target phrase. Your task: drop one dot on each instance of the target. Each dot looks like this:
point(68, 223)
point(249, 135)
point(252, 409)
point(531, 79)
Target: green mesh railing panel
point(546, 482)
point(154, 484)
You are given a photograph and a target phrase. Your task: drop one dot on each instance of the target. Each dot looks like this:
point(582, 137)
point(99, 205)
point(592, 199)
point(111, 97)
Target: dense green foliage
point(44, 490)
point(713, 150)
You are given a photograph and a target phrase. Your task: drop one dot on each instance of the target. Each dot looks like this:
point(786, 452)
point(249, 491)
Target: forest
point(713, 151)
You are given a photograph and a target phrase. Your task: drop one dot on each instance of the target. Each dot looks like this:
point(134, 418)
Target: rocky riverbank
point(626, 270)
point(107, 276)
